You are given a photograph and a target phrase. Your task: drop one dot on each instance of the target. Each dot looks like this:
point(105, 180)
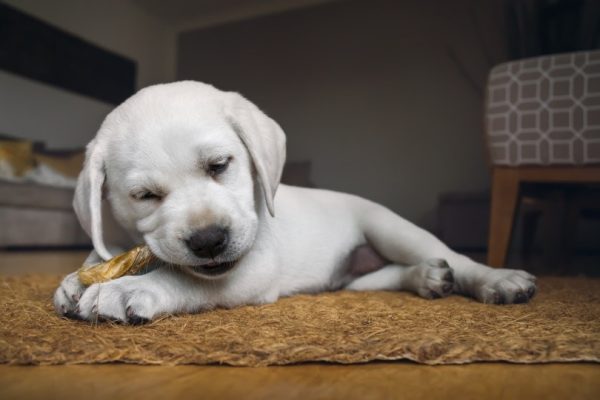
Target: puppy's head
point(189, 168)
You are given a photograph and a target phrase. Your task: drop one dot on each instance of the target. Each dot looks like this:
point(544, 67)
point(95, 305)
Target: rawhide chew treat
point(128, 263)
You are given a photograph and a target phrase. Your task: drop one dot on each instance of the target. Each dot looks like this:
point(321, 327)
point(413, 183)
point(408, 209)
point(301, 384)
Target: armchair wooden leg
point(505, 194)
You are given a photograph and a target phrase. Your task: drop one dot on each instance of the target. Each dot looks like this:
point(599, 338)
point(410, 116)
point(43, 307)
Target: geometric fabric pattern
point(545, 111)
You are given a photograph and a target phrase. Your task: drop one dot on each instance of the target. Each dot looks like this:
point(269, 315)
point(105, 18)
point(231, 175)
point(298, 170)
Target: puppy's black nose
point(208, 242)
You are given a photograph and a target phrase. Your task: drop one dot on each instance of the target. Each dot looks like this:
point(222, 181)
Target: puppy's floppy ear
point(88, 196)
point(264, 139)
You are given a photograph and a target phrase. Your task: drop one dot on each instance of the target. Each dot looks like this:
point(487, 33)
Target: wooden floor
point(310, 381)
point(364, 382)
point(40, 262)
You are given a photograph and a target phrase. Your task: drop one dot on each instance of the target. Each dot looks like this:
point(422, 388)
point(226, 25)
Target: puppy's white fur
point(283, 239)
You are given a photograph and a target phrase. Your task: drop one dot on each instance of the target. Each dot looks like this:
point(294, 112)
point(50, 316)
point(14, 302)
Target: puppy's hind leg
point(404, 243)
point(430, 279)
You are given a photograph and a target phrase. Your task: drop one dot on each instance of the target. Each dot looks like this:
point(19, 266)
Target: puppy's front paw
point(435, 279)
point(121, 300)
point(67, 295)
point(505, 286)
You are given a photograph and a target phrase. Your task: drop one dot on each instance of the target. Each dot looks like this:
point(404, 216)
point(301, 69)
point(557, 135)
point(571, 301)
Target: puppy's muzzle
point(208, 242)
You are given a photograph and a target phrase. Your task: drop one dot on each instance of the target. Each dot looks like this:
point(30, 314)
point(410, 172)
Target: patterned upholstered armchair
point(542, 125)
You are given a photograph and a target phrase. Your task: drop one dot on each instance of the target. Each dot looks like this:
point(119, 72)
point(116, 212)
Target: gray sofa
point(34, 215)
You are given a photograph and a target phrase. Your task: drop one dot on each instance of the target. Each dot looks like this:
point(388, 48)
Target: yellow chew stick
point(128, 263)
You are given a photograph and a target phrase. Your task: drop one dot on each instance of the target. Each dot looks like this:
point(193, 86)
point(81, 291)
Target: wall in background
point(116, 25)
point(44, 113)
point(384, 97)
point(37, 111)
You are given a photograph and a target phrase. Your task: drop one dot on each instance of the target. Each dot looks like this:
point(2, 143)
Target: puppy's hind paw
point(435, 279)
point(505, 286)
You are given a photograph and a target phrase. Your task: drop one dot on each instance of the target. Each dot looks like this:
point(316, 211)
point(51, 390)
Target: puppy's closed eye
point(218, 167)
point(146, 195)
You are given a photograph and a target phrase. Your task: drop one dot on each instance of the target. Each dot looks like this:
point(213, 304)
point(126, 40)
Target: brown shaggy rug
point(562, 323)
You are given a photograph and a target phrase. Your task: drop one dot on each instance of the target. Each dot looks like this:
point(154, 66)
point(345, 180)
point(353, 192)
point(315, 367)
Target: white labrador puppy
point(194, 173)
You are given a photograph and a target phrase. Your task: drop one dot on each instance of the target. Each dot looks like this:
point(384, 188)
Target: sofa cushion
point(34, 195)
point(34, 227)
point(545, 111)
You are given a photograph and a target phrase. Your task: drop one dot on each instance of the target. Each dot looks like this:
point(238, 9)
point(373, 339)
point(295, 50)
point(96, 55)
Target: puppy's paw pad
point(520, 297)
point(434, 295)
point(73, 315)
point(134, 319)
point(137, 320)
point(436, 280)
point(448, 277)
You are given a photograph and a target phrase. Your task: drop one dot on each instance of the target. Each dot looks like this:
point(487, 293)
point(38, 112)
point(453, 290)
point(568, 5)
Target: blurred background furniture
point(542, 126)
point(36, 192)
point(39, 216)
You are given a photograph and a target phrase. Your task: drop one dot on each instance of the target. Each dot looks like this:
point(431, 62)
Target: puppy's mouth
point(212, 269)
